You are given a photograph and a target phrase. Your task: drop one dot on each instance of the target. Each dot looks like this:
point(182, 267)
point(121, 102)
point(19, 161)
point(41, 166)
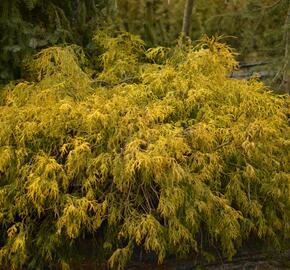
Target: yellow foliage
point(160, 150)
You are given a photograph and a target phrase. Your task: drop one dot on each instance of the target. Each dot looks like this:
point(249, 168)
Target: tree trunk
point(187, 17)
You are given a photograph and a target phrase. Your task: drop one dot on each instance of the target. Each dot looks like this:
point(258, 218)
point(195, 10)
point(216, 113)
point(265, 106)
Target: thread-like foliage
point(163, 151)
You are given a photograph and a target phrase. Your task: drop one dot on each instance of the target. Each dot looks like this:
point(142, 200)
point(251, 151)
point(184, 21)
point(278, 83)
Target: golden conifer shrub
point(162, 151)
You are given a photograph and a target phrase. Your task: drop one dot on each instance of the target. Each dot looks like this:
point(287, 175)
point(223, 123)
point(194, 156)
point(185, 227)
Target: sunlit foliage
point(162, 151)
point(258, 29)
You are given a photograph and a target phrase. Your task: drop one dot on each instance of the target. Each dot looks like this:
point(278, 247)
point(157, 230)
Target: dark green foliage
point(27, 26)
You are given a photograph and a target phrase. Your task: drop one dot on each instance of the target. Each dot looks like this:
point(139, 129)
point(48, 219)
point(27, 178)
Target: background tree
point(29, 25)
point(255, 28)
point(187, 17)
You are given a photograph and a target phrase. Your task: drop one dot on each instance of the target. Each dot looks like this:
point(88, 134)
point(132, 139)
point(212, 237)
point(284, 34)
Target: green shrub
point(161, 151)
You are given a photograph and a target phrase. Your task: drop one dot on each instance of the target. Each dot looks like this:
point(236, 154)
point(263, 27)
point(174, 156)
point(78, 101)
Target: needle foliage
point(162, 151)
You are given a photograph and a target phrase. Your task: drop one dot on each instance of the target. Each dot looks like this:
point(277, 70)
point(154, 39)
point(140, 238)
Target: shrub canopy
point(162, 150)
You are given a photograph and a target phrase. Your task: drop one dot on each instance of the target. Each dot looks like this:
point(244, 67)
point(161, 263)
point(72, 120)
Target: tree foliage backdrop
point(258, 29)
point(30, 25)
point(161, 151)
